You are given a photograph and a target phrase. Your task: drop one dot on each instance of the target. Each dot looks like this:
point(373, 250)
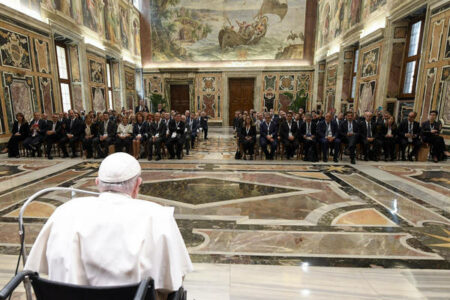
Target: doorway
point(241, 95)
point(179, 97)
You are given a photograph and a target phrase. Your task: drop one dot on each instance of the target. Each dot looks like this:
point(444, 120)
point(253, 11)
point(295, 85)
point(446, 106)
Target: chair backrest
point(50, 290)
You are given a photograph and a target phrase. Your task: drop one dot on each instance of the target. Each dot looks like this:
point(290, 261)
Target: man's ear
point(136, 188)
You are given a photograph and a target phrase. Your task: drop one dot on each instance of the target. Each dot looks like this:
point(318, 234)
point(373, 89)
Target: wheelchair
point(45, 289)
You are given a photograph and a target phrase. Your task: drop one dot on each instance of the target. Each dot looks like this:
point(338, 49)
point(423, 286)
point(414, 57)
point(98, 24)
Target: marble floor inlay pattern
point(268, 213)
point(272, 217)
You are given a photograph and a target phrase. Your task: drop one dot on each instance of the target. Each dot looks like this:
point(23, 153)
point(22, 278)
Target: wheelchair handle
point(32, 198)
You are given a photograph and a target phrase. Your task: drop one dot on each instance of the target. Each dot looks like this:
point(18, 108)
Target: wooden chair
point(424, 152)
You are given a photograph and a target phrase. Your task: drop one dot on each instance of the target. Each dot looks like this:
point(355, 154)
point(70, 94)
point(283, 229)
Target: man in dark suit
point(107, 130)
point(409, 133)
point(156, 136)
point(299, 121)
point(160, 109)
point(142, 107)
point(36, 135)
point(176, 134)
point(368, 134)
point(328, 133)
point(340, 119)
point(195, 129)
point(187, 132)
point(269, 137)
point(204, 124)
point(288, 134)
point(236, 121)
point(349, 133)
point(431, 130)
point(53, 134)
point(73, 131)
point(307, 135)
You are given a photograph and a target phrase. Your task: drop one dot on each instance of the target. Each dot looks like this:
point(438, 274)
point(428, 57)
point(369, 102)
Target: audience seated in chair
point(431, 130)
point(36, 135)
point(53, 134)
point(247, 138)
point(288, 136)
point(269, 137)
point(176, 137)
point(389, 134)
point(106, 135)
point(409, 134)
point(349, 134)
point(328, 134)
point(124, 136)
point(156, 136)
point(19, 133)
point(368, 133)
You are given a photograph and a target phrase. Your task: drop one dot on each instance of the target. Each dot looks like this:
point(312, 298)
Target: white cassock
point(111, 240)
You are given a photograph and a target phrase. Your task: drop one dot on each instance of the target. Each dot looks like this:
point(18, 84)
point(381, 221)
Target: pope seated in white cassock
point(112, 239)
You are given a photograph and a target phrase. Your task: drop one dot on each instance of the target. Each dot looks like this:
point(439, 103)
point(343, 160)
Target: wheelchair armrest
point(142, 289)
point(178, 295)
point(13, 283)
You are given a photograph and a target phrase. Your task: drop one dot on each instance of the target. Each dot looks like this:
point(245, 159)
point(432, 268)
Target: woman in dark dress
point(430, 134)
point(247, 137)
point(19, 133)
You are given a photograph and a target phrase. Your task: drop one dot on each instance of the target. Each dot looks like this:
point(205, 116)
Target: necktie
point(410, 127)
point(350, 127)
point(308, 130)
point(369, 130)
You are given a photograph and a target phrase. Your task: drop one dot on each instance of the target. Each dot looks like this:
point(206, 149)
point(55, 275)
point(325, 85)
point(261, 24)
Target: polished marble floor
point(273, 229)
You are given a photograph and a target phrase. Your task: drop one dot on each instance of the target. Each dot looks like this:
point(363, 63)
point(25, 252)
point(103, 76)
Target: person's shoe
point(385, 159)
point(150, 158)
point(158, 158)
point(178, 156)
point(251, 157)
point(74, 155)
point(335, 160)
point(89, 156)
point(244, 157)
point(65, 155)
point(410, 157)
point(403, 158)
point(366, 158)
point(172, 157)
point(50, 157)
point(325, 160)
point(393, 159)
point(17, 156)
point(353, 161)
point(435, 159)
